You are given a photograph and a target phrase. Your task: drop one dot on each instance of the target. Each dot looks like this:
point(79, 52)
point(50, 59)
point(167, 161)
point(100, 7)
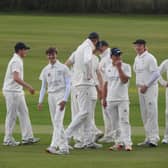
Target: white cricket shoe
point(79, 145)
point(144, 143)
point(98, 136)
point(94, 146)
point(11, 143)
point(51, 150)
point(148, 144)
point(165, 141)
point(106, 139)
point(30, 141)
point(62, 152)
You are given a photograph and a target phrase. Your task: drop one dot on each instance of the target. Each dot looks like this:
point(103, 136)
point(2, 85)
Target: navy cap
point(20, 46)
point(101, 44)
point(116, 52)
point(93, 35)
point(139, 41)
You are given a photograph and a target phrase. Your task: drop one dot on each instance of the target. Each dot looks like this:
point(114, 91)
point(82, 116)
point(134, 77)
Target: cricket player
point(74, 103)
point(97, 83)
point(56, 77)
point(116, 99)
point(104, 50)
point(147, 74)
point(95, 93)
point(15, 99)
point(164, 68)
point(82, 82)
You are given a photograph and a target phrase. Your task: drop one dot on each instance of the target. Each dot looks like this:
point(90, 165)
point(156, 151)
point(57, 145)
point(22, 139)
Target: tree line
point(83, 6)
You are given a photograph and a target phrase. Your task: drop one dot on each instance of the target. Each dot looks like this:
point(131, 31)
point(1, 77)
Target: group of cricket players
point(87, 78)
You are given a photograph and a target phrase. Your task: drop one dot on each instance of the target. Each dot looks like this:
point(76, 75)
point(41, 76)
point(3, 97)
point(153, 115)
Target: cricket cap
point(20, 46)
point(139, 41)
point(116, 52)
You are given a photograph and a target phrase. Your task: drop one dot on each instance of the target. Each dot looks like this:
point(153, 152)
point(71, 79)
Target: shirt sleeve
point(95, 77)
point(72, 58)
point(42, 75)
point(42, 91)
point(16, 67)
point(153, 65)
point(163, 82)
point(67, 83)
point(102, 65)
point(68, 88)
point(163, 67)
point(67, 73)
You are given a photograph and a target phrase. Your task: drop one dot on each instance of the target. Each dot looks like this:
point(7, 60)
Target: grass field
point(66, 32)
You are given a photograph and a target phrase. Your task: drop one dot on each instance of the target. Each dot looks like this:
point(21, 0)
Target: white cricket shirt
point(144, 65)
point(116, 89)
point(14, 65)
point(105, 60)
point(55, 76)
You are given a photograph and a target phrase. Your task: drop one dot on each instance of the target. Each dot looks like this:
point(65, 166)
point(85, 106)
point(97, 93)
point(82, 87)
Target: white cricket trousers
point(16, 106)
point(74, 112)
point(107, 123)
point(83, 118)
point(119, 115)
point(57, 116)
point(149, 113)
point(95, 130)
point(166, 117)
point(93, 96)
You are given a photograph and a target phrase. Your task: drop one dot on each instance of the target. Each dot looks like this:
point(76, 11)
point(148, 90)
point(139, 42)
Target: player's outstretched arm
point(17, 79)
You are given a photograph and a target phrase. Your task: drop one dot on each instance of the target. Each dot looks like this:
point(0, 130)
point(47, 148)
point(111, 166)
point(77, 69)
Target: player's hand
point(39, 106)
point(62, 105)
point(104, 103)
point(118, 64)
point(31, 90)
point(143, 89)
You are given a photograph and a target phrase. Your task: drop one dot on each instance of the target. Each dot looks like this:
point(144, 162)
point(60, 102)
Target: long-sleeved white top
point(163, 69)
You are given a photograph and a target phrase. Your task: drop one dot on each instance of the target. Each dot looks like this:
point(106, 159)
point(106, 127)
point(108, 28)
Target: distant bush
point(91, 6)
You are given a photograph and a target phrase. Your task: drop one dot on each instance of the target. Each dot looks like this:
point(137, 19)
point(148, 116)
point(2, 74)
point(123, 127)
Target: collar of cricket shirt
point(143, 54)
point(54, 65)
point(18, 57)
point(105, 53)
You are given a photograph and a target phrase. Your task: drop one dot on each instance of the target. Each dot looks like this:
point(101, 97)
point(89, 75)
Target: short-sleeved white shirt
point(14, 65)
point(55, 76)
point(116, 89)
point(144, 66)
point(95, 68)
point(105, 61)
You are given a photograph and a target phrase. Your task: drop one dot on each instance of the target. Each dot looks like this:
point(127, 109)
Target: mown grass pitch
point(66, 32)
